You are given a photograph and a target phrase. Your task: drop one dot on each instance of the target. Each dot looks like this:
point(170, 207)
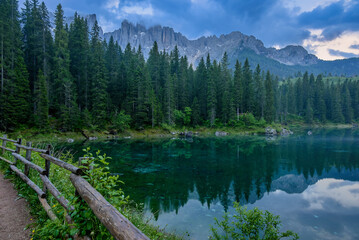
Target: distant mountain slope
point(282, 62)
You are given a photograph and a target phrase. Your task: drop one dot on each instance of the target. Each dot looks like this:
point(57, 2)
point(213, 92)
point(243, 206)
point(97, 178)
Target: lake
point(312, 182)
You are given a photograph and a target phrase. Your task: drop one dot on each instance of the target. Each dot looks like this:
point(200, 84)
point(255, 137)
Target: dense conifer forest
point(68, 78)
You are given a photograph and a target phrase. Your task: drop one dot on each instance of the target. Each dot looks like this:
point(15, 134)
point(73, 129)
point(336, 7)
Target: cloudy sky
point(326, 28)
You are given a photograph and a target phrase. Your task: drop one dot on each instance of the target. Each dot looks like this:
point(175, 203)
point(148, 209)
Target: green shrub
point(250, 224)
point(121, 121)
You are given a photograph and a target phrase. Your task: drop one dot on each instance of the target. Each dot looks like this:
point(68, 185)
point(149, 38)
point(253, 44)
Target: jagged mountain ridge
point(167, 39)
point(282, 62)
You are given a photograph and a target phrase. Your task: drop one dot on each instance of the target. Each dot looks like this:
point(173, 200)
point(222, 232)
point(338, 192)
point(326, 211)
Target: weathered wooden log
point(62, 164)
point(48, 209)
point(7, 140)
point(30, 148)
point(30, 164)
point(56, 193)
point(7, 149)
point(17, 150)
point(28, 158)
point(47, 166)
point(119, 227)
point(28, 181)
point(3, 144)
point(5, 160)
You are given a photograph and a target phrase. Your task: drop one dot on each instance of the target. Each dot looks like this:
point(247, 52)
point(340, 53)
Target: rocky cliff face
point(167, 39)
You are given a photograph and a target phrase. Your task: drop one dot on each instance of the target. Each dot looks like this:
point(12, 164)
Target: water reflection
point(311, 181)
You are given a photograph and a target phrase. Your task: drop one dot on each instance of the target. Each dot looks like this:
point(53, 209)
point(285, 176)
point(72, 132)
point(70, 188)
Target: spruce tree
point(99, 95)
point(248, 88)
point(269, 110)
point(336, 111)
point(64, 99)
point(14, 94)
point(346, 104)
point(238, 89)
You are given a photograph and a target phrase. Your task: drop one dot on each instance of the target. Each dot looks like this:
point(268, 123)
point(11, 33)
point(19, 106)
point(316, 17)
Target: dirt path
point(14, 213)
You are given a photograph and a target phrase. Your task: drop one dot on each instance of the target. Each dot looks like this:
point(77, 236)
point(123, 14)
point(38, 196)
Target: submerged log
point(119, 226)
point(30, 164)
point(62, 164)
point(28, 181)
point(56, 193)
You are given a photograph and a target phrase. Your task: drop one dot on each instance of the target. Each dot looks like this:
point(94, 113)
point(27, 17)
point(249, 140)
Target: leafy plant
point(250, 224)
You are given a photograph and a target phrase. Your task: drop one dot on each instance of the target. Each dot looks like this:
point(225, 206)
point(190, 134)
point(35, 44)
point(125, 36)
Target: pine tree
point(269, 109)
point(319, 101)
point(64, 99)
point(248, 88)
point(169, 101)
point(98, 78)
point(200, 88)
point(336, 111)
point(14, 94)
point(227, 101)
point(212, 95)
point(259, 93)
point(79, 57)
point(346, 104)
point(238, 89)
point(41, 102)
point(309, 112)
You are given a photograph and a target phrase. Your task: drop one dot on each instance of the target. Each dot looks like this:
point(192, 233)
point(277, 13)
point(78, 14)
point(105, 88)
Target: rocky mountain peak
point(167, 39)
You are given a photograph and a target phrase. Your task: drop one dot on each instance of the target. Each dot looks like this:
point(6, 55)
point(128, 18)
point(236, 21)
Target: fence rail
point(119, 226)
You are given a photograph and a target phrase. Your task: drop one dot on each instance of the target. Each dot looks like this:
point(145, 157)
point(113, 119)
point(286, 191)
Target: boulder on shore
point(221, 133)
point(271, 131)
point(286, 132)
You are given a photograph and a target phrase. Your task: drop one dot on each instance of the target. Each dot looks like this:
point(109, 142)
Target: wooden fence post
point(4, 144)
point(28, 157)
point(18, 149)
point(47, 165)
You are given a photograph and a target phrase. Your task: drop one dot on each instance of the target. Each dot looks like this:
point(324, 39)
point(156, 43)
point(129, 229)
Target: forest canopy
point(68, 78)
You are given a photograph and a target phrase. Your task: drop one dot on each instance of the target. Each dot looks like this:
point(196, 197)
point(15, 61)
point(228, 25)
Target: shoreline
point(161, 133)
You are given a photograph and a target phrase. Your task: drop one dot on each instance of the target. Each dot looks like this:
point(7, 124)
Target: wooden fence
point(119, 226)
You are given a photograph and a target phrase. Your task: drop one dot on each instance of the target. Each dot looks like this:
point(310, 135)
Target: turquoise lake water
point(312, 182)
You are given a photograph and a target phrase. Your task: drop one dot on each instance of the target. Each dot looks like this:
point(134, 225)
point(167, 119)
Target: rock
point(309, 133)
point(92, 138)
point(188, 134)
point(286, 132)
point(271, 131)
point(173, 133)
point(128, 137)
point(70, 140)
point(221, 134)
